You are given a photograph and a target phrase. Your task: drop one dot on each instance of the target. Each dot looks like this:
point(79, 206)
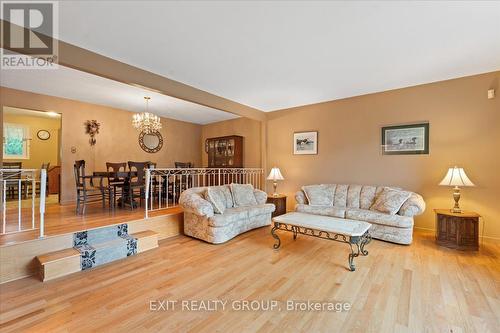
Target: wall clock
point(43, 134)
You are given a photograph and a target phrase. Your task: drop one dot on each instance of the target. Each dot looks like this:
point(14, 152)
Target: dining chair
point(185, 181)
point(136, 181)
point(86, 190)
point(12, 177)
point(115, 181)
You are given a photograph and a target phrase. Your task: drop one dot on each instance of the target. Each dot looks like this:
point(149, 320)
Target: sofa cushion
point(379, 218)
point(243, 195)
point(390, 200)
point(353, 196)
point(319, 195)
point(367, 196)
point(260, 196)
point(333, 211)
point(260, 209)
point(341, 196)
point(216, 197)
point(231, 215)
point(227, 194)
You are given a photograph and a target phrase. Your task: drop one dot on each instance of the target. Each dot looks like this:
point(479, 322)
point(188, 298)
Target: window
point(15, 141)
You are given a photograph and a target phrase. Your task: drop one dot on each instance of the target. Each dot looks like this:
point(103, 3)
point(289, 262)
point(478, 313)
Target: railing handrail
point(166, 184)
point(202, 169)
point(8, 176)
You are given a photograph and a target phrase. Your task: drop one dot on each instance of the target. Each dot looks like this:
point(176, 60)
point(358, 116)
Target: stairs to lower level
point(95, 247)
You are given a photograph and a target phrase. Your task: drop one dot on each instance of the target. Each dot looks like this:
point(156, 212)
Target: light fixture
point(146, 122)
point(275, 175)
point(456, 177)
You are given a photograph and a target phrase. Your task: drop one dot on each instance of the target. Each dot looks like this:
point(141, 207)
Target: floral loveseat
point(389, 210)
point(218, 213)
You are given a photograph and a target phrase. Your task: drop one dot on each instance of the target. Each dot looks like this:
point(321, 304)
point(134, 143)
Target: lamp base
point(275, 186)
point(456, 197)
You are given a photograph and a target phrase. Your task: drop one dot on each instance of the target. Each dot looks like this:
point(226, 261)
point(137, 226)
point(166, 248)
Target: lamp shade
point(275, 174)
point(456, 177)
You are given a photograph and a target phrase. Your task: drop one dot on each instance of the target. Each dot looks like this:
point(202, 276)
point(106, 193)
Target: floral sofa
point(389, 210)
point(218, 213)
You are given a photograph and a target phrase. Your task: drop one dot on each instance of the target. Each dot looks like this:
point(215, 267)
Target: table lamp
point(275, 175)
point(456, 177)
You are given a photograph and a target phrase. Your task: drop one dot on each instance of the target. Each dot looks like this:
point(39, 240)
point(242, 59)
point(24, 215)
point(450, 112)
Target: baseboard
point(495, 239)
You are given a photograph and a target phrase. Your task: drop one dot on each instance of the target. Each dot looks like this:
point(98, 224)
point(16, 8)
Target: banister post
point(43, 188)
point(146, 194)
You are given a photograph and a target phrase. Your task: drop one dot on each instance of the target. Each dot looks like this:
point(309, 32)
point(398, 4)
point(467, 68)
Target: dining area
point(124, 185)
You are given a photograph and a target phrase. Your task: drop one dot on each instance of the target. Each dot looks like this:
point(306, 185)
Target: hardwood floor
point(417, 288)
point(62, 219)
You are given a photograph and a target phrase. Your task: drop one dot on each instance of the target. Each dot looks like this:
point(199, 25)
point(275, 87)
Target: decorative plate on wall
point(43, 134)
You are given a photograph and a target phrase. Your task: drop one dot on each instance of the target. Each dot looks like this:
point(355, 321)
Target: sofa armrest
point(194, 203)
point(415, 205)
point(300, 198)
point(260, 196)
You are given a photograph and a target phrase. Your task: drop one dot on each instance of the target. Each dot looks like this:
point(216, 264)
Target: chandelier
point(146, 122)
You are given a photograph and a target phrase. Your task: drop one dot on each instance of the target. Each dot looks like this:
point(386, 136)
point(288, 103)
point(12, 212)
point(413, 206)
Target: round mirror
point(151, 142)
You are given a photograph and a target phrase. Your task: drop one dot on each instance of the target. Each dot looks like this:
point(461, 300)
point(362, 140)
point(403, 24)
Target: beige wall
point(117, 140)
point(464, 131)
point(41, 151)
point(248, 128)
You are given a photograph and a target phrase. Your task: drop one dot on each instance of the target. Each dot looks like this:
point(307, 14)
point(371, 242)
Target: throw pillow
point(319, 195)
point(390, 200)
point(217, 198)
point(243, 195)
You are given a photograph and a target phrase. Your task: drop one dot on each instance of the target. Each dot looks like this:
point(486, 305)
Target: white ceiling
point(73, 84)
point(279, 54)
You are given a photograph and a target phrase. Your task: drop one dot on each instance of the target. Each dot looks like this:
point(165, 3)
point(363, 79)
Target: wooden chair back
point(139, 169)
point(79, 170)
point(183, 165)
point(12, 175)
point(114, 168)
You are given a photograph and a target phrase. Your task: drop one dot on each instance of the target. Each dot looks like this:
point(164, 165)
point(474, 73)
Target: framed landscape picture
point(405, 139)
point(305, 143)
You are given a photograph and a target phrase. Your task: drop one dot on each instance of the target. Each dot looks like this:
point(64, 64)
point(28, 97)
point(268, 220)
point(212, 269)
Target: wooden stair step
point(146, 240)
point(59, 263)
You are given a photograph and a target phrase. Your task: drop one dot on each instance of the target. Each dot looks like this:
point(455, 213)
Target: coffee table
point(352, 232)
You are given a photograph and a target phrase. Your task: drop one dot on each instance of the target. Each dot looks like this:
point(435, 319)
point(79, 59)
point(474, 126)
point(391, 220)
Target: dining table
point(126, 175)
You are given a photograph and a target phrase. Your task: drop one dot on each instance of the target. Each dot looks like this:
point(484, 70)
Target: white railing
point(17, 188)
point(164, 186)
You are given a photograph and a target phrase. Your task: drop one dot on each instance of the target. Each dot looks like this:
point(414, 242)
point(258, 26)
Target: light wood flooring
point(417, 288)
point(62, 219)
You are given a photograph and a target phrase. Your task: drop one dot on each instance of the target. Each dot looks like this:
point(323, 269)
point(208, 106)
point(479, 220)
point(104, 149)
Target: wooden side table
point(457, 230)
point(280, 202)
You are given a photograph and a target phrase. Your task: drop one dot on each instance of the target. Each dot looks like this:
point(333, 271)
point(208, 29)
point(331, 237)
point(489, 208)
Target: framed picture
point(405, 139)
point(305, 143)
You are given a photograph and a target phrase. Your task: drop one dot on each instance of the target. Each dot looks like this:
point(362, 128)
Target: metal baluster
point(33, 195)
point(4, 203)
point(43, 187)
point(19, 203)
point(151, 200)
point(148, 189)
point(167, 179)
point(159, 179)
point(174, 191)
